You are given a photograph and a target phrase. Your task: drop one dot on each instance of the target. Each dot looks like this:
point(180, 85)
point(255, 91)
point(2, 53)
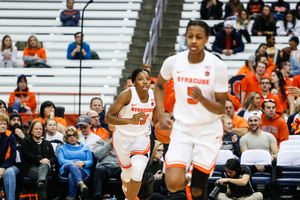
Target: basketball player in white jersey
point(201, 85)
point(131, 139)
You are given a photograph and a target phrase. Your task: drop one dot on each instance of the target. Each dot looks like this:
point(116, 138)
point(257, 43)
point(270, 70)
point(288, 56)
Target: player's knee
point(126, 174)
point(138, 167)
point(174, 186)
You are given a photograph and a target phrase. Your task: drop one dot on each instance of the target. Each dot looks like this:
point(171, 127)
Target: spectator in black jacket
point(70, 17)
point(211, 9)
point(279, 9)
point(255, 7)
point(228, 41)
point(264, 24)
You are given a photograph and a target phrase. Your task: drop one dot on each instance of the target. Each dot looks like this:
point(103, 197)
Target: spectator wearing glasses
point(96, 128)
point(240, 125)
point(75, 160)
point(97, 105)
point(273, 123)
point(265, 85)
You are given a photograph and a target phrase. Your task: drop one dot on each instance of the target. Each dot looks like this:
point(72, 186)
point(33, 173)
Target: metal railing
point(154, 32)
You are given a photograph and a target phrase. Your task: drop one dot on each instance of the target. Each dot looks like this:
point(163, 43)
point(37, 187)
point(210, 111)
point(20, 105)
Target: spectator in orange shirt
point(47, 111)
point(260, 58)
point(273, 123)
point(296, 81)
point(240, 125)
point(261, 50)
point(251, 83)
point(265, 85)
point(285, 68)
point(96, 128)
point(252, 104)
point(34, 52)
point(278, 82)
point(22, 100)
point(237, 106)
point(148, 67)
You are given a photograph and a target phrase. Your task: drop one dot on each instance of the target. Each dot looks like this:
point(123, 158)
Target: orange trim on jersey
point(135, 152)
point(123, 166)
point(206, 171)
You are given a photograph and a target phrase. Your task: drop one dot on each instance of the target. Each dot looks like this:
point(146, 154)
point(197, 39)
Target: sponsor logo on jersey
point(133, 104)
point(179, 71)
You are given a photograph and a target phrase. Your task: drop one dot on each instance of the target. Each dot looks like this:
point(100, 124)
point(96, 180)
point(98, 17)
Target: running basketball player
point(131, 139)
point(201, 85)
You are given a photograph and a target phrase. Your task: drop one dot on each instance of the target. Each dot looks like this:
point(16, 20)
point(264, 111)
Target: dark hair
point(293, 19)
point(269, 19)
point(199, 23)
point(262, 44)
point(32, 124)
point(3, 103)
point(136, 72)
point(233, 164)
point(265, 78)
point(285, 57)
point(239, 19)
point(129, 77)
point(44, 105)
point(251, 1)
point(257, 58)
point(281, 82)
point(77, 34)
point(281, 64)
point(3, 46)
point(269, 37)
point(96, 98)
point(264, 102)
point(239, 6)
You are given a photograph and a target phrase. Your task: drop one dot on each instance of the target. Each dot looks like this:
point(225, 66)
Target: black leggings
point(246, 35)
point(199, 181)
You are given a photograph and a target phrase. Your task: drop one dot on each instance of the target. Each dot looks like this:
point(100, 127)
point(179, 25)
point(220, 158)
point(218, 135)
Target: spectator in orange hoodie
point(273, 123)
point(34, 51)
point(22, 100)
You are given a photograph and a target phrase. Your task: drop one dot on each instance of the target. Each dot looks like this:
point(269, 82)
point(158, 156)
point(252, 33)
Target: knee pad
point(198, 184)
point(126, 174)
point(139, 163)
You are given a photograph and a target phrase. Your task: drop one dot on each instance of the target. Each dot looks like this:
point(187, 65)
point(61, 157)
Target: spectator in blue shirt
point(70, 17)
point(74, 48)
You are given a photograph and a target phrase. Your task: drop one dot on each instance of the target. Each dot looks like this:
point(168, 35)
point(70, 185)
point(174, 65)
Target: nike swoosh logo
point(133, 104)
point(179, 71)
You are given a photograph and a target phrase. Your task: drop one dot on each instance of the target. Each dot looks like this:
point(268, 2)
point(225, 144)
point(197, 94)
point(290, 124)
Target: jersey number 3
point(191, 100)
point(142, 122)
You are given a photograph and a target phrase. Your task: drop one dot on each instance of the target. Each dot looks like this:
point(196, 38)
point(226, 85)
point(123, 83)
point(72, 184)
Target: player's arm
point(159, 94)
point(216, 107)
point(122, 100)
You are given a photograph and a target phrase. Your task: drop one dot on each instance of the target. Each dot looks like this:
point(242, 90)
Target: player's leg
point(198, 185)
point(175, 178)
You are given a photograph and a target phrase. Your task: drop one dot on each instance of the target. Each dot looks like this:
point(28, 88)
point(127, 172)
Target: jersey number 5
point(191, 100)
point(142, 122)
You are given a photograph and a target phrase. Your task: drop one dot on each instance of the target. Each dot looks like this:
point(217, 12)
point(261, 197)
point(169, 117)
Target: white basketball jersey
point(210, 76)
point(136, 106)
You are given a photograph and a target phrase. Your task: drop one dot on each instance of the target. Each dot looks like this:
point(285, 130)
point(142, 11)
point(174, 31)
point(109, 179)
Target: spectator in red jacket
point(22, 100)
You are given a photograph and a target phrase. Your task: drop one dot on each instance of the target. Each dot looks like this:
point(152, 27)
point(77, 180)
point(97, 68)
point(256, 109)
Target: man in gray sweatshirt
point(107, 165)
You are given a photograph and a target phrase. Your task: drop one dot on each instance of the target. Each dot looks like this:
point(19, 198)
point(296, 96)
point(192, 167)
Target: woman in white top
point(8, 53)
point(289, 26)
point(51, 133)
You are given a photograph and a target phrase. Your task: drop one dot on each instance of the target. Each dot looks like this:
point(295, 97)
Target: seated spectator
point(96, 128)
point(245, 70)
point(293, 117)
point(148, 67)
point(86, 137)
point(8, 171)
point(298, 10)
point(97, 105)
point(237, 106)
point(70, 17)
point(182, 43)
point(254, 7)
point(285, 55)
point(278, 82)
point(75, 160)
point(37, 157)
point(279, 9)
point(51, 133)
point(290, 26)
point(8, 53)
point(243, 25)
point(261, 51)
point(239, 182)
point(211, 9)
point(107, 166)
point(251, 104)
point(128, 82)
point(232, 8)
point(22, 101)
point(240, 125)
point(275, 92)
point(251, 82)
point(285, 68)
point(228, 41)
point(34, 53)
point(293, 42)
point(231, 140)
point(272, 51)
point(265, 85)
point(258, 139)
point(73, 51)
point(273, 123)
point(16, 128)
point(264, 24)
point(47, 111)
point(3, 107)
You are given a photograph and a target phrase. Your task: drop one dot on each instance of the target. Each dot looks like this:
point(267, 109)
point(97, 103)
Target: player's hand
point(234, 138)
point(165, 124)
point(139, 117)
point(196, 94)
